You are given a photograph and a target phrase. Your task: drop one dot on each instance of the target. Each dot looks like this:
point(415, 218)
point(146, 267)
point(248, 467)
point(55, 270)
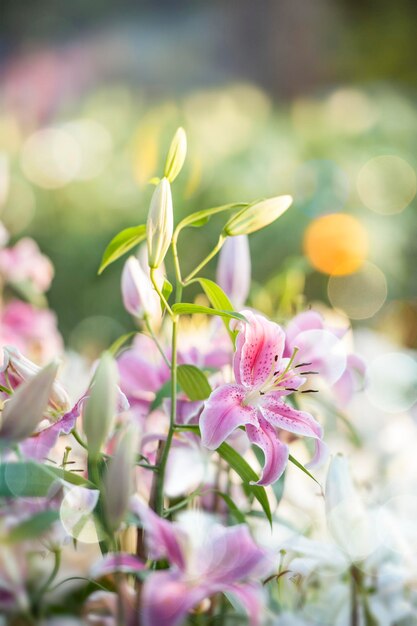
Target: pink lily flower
point(255, 401)
point(205, 558)
point(23, 262)
point(34, 331)
point(322, 347)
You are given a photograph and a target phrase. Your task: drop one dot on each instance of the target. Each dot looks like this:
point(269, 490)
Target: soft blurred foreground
point(85, 121)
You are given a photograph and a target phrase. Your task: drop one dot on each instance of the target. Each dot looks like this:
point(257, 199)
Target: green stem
point(160, 294)
point(99, 517)
point(45, 587)
point(78, 439)
point(160, 477)
point(208, 258)
point(155, 340)
point(176, 260)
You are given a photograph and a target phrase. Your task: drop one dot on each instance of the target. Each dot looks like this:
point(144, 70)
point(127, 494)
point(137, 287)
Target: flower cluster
point(165, 473)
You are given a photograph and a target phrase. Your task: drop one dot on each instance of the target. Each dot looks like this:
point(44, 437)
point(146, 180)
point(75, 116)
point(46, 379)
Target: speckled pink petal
point(275, 452)
point(282, 415)
point(223, 413)
point(259, 348)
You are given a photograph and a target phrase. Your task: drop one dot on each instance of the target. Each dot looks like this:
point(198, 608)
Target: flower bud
point(176, 155)
point(101, 405)
point(19, 369)
point(234, 270)
point(160, 224)
point(256, 216)
point(118, 482)
point(347, 518)
point(138, 293)
point(26, 408)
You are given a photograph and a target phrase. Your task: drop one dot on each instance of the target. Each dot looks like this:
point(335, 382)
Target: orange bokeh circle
point(336, 244)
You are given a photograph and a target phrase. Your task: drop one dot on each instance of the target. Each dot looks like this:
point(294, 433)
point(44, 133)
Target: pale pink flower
point(25, 262)
point(205, 558)
point(34, 331)
point(322, 347)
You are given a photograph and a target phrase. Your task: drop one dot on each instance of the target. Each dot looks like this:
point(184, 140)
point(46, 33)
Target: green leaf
point(201, 217)
point(33, 527)
point(122, 243)
point(119, 343)
point(247, 474)
point(234, 510)
point(164, 392)
point(199, 223)
point(31, 479)
point(241, 467)
point(190, 309)
point(194, 382)
point(166, 292)
point(302, 468)
point(219, 300)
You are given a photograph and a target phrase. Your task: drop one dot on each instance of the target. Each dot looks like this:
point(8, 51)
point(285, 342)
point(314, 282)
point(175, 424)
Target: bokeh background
point(316, 99)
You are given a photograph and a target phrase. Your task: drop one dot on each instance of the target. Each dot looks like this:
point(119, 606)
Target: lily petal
point(163, 538)
point(284, 416)
point(117, 562)
point(39, 445)
point(223, 413)
point(259, 344)
point(275, 452)
point(167, 599)
point(230, 554)
point(252, 598)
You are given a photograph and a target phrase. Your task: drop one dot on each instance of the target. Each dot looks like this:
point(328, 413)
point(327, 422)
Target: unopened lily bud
point(176, 155)
point(118, 482)
point(347, 518)
point(234, 270)
point(138, 293)
point(26, 408)
point(20, 368)
point(101, 406)
point(160, 224)
point(257, 216)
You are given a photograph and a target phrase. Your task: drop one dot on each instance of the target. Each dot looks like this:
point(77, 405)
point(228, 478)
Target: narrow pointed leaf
point(302, 468)
point(234, 510)
point(193, 382)
point(201, 217)
point(32, 527)
point(120, 342)
point(219, 300)
point(191, 309)
point(30, 479)
point(122, 243)
point(166, 292)
point(247, 474)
